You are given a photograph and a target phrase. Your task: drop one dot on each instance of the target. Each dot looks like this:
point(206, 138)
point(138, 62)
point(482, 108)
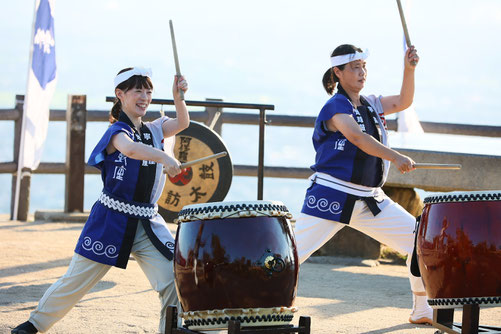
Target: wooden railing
point(478, 172)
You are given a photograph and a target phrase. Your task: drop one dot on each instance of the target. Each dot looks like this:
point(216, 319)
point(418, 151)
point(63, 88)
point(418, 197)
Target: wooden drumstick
point(436, 166)
point(176, 59)
point(197, 161)
point(404, 26)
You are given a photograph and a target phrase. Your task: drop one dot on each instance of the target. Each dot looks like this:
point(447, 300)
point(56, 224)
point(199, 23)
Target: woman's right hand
point(172, 166)
point(404, 163)
point(411, 58)
point(180, 84)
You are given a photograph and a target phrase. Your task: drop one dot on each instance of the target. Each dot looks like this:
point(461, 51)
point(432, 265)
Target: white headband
point(345, 59)
point(145, 72)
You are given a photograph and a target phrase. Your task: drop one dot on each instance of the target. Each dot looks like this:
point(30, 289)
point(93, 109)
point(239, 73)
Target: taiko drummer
point(124, 220)
point(351, 165)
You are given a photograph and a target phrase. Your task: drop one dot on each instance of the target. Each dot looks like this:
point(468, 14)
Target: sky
point(272, 52)
point(264, 51)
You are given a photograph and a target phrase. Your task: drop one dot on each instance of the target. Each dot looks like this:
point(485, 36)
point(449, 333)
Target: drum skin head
point(240, 209)
point(209, 181)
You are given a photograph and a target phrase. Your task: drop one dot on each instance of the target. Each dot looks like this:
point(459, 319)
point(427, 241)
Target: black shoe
point(25, 328)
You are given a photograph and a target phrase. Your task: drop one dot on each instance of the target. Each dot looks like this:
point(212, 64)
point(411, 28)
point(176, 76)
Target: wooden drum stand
point(235, 328)
point(443, 319)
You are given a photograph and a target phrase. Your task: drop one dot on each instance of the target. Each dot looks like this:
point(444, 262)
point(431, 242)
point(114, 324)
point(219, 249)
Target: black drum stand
point(443, 319)
point(234, 326)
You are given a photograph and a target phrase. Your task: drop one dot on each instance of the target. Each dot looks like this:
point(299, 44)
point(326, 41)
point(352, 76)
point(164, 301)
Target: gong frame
point(218, 104)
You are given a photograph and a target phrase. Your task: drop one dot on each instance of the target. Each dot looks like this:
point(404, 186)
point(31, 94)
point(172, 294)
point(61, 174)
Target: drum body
point(235, 261)
point(459, 248)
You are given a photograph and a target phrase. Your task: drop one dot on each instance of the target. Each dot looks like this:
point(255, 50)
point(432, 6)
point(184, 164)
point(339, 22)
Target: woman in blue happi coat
point(124, 220)
point(351, 165)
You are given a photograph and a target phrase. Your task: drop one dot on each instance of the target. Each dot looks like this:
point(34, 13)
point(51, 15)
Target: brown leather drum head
point(208, 181)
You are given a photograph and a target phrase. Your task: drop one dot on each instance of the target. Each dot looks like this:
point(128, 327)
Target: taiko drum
point(459, 248)
point(235, 261)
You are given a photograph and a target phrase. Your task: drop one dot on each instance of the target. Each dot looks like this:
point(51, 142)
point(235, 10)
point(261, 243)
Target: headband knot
point(345, 59)
point(124, 76)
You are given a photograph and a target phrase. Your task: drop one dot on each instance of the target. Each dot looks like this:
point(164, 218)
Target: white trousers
point(393, 226)
point(83, 274)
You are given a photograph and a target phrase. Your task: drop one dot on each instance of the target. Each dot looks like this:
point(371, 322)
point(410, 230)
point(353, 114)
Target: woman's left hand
point(180, 83)
point(411, 57)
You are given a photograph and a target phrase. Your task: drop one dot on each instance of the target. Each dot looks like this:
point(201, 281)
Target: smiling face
point(135, 96)
point(135, 101)
point(353, 76)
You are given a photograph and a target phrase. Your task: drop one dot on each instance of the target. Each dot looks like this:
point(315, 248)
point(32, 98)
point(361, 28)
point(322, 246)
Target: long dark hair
point(135, 81)
point(330, 79)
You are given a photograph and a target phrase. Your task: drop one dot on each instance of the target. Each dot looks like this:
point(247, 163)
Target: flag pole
point(20, 156)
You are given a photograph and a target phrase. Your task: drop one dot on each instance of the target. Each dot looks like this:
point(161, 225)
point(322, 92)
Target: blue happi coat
point(340, 167)
point(109, 232)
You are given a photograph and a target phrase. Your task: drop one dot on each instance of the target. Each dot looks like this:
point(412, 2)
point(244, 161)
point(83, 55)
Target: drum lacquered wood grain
point(236, 259)
point(459, 248)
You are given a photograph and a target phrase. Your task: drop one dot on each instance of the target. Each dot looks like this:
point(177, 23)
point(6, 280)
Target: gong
point(206, 182)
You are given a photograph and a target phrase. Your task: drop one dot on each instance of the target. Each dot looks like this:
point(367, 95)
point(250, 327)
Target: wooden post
point(305, 324)
point(444, 317)
point(170, 319)
point(214, 120)
point(471, 313)
point(24, 191)
point(76, 118)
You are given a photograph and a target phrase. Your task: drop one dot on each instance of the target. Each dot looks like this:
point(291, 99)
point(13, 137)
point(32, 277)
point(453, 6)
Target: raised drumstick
point(404, 26)
point(176, 59)
point(436, 166)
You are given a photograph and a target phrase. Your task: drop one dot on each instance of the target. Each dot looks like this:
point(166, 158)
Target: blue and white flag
point(41, 85)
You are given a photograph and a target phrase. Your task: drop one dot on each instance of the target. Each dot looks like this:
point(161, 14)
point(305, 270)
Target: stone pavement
point(340, 296)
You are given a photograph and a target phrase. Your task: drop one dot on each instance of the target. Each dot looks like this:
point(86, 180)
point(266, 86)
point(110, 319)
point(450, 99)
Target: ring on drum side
point(209, 181)
point(236, 261)
point(459, 248)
